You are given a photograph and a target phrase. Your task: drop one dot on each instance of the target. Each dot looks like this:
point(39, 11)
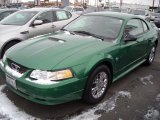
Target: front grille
point(21, 69)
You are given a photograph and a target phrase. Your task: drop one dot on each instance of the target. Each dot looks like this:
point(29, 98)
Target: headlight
point(4, 58)
point(48, 75)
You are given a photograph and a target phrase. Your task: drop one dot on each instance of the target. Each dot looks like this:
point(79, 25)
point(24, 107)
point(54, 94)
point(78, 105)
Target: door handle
point(24, 32)
point(53, 26)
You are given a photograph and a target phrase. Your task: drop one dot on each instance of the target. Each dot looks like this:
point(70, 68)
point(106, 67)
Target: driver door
point(132, 52)
point(45, 27)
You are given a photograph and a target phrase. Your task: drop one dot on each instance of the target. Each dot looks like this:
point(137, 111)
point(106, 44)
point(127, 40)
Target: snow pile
point(125, 94)
point(147, 80)
point(96, 112)
point(158, 98)
point(154, 113)
point(9, 111)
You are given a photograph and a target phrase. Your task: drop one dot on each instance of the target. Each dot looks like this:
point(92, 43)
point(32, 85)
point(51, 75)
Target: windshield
point(106, 27)
point(19, 18)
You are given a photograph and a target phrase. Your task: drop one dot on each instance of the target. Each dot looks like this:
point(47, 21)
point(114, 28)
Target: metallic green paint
point(79, 53)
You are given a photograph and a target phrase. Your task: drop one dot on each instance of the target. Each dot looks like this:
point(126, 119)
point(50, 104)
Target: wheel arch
point(5, 44)
point(105, 61)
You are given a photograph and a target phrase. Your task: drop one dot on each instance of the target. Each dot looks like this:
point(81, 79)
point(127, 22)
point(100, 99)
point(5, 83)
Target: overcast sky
point(143, 2)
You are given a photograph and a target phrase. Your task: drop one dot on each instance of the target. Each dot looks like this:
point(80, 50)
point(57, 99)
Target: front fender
point(98, 59)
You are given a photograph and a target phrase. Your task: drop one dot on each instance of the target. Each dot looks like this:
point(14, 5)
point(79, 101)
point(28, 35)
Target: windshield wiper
point(90, 34)
point(68, 31)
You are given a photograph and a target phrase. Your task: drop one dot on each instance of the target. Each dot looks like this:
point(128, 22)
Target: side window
point(61, 15)
point(134, 27)
point(46, 17)
point(145, 26)
point(4, 14)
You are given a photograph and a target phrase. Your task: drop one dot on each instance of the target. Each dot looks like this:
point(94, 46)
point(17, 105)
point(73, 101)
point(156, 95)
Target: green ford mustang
point(81, 60)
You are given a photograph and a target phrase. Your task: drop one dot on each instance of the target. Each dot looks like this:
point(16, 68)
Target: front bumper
point(49, 94)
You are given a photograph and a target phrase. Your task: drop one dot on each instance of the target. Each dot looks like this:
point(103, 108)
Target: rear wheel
point(151, 56)
point(7, 46)
point(97, 85)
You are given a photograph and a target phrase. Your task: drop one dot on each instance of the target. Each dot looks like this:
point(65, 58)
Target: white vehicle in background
point(154, 16)
point(75, 9)
point(29, 23)
point(145, 14)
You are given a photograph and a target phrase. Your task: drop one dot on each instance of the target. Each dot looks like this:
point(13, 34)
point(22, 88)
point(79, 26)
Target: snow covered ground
point(153, 113)
point(96, 112)
point(8, 111)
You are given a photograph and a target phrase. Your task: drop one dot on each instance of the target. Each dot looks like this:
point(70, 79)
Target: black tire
point(151, 56)
point(90, 88)
point(7, 46)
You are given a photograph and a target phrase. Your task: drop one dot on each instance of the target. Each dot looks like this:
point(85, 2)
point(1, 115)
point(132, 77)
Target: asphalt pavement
point(134, 97)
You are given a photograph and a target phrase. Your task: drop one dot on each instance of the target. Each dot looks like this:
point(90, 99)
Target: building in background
point(65, 3)
point(37, 2)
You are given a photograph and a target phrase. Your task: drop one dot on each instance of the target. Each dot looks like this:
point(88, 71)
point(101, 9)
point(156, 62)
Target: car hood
point(8, 28)
point(47, 51)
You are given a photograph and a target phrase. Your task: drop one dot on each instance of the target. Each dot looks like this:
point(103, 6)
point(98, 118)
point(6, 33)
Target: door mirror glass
point(147, 14)
point(37, 22)
point(128, 37)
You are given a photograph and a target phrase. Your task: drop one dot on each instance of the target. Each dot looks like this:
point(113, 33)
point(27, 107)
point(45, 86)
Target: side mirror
point(128, 37)
point(37, 22)
point(147, 14)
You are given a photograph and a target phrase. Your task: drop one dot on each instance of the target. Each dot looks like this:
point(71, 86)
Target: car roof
point(114, 14)
point(41, 9)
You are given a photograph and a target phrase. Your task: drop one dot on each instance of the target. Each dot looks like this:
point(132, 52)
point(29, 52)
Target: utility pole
point(121, 2)
point(153, 5)
point(4, 2)
point(57, 3)
point(159, 6)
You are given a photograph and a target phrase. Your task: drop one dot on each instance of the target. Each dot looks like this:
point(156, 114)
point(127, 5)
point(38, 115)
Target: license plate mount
point(11, 81)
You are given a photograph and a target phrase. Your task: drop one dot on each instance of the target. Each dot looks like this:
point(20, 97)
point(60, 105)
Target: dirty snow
point(96, 112)
point(120, 119)
point(147, 80)
point(154, 112)
point(8, 111)
point(158, 98)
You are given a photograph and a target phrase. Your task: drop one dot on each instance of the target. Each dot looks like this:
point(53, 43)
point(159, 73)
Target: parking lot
point(98, 47)
point(133, 97)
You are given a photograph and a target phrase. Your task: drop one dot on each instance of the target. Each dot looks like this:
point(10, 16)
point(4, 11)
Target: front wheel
point(97, 85)
point(151, 56)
